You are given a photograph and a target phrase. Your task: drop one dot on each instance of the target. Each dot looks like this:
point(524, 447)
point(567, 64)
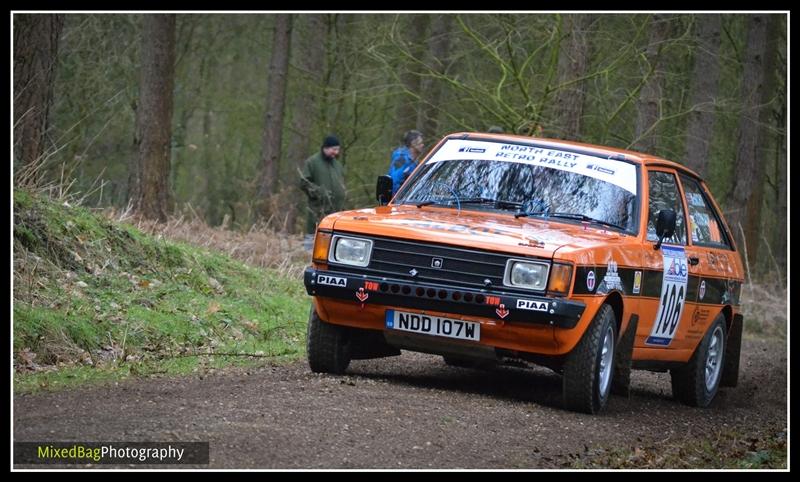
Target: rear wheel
point(589, 368)
point(697, 383)
point(328, 346)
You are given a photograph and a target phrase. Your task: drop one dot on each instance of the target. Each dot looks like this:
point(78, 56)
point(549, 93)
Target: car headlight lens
point(525, 274)
point(352, 251)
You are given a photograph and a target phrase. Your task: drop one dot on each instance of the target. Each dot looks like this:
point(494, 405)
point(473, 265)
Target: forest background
point(215, 113)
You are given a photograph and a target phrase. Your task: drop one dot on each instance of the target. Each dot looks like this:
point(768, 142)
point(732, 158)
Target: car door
point(711, 258)
point(667, 306)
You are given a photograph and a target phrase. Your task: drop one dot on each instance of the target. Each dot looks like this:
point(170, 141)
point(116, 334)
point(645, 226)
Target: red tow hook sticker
point(502, 312)
point(362, 296)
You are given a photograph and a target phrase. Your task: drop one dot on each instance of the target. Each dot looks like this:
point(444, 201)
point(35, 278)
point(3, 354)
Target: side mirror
point(383, 189)
point(665, 225)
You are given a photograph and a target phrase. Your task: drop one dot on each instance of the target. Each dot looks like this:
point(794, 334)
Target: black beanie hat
point(331, 141)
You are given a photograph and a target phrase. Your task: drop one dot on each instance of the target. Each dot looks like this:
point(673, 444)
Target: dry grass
point(258, 246)
point(765, 307)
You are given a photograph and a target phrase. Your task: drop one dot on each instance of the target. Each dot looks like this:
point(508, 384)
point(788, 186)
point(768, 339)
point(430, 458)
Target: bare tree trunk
point(704, 89)
point(778, 236)
point(212, 194)
point(276, 100)
point(344, 29)
point(779, 241)
point(408, 106)
point(758, 90)
point(311, 55)
point(573, 62)
point(150, 190)
point(431, 90)
point(649, 102)
point(35, 54)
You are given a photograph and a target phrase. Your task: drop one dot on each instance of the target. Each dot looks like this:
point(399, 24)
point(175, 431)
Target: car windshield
point(527, 180)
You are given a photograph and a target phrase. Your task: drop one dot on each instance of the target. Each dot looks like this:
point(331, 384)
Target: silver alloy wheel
point(714, 358)
point(606, 359)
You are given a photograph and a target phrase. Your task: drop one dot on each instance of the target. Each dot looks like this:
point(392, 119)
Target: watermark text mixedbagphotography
point(111, 452)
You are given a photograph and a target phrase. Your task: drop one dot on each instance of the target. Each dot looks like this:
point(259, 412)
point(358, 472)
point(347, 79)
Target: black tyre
point(328, 346)
point(589, 367)
point(697, 383)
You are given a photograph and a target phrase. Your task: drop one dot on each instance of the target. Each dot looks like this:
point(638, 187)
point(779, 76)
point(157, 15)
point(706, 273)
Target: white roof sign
point(619, 173)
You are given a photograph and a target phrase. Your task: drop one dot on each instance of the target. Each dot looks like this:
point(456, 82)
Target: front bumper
point(486, 303)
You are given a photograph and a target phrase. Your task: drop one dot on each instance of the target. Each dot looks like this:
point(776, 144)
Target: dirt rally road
point(411, 411)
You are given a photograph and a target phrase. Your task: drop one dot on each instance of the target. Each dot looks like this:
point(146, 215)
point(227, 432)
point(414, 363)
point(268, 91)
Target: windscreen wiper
point(580, 217)
point(499, 203)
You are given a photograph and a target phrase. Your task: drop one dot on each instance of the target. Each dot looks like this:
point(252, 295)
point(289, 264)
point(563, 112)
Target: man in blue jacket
point(404, 158)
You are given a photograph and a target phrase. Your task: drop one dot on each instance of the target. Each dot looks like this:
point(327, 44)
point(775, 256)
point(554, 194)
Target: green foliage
point(499, 69)
point(91, 294)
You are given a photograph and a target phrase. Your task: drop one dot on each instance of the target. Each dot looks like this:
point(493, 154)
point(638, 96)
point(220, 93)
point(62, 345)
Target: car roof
point(639, 158)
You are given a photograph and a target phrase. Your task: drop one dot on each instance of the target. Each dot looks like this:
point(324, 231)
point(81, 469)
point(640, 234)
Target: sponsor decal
point(700, 315)
point(362, 295)
point(532, 243)
point(696, 199)
point(493, 300)
point(532, 305)
point(606, 169)
point(331, 280)
point(719, 262)
point(673, 296)
point(637, 282)
point(612, 280)
point(437, 263)
point(502, 312)
point(702, 289)
point(602, 169)
point(590, 281)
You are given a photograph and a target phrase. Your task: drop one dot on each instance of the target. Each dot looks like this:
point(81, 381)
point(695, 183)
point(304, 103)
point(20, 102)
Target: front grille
point(459, 266)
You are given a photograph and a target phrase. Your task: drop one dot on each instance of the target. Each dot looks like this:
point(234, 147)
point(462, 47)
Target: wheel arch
point(614, 299)
point(727, 312)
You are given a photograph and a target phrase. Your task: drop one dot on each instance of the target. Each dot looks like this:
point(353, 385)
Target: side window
point(704, 223)
point(664, 194)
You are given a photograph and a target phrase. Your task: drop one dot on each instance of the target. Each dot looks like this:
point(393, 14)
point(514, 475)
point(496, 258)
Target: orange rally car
point(498, 248)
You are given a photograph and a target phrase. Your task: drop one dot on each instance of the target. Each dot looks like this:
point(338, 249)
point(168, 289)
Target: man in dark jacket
point(322, 179)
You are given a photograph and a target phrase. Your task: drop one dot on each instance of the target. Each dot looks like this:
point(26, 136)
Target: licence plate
point(433, 325)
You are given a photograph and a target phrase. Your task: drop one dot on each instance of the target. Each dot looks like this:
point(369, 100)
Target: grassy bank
point(100, 300)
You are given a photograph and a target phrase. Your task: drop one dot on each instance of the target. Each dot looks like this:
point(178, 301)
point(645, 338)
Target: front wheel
point(328, 346)
point(697, 383)
point(589, 367)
